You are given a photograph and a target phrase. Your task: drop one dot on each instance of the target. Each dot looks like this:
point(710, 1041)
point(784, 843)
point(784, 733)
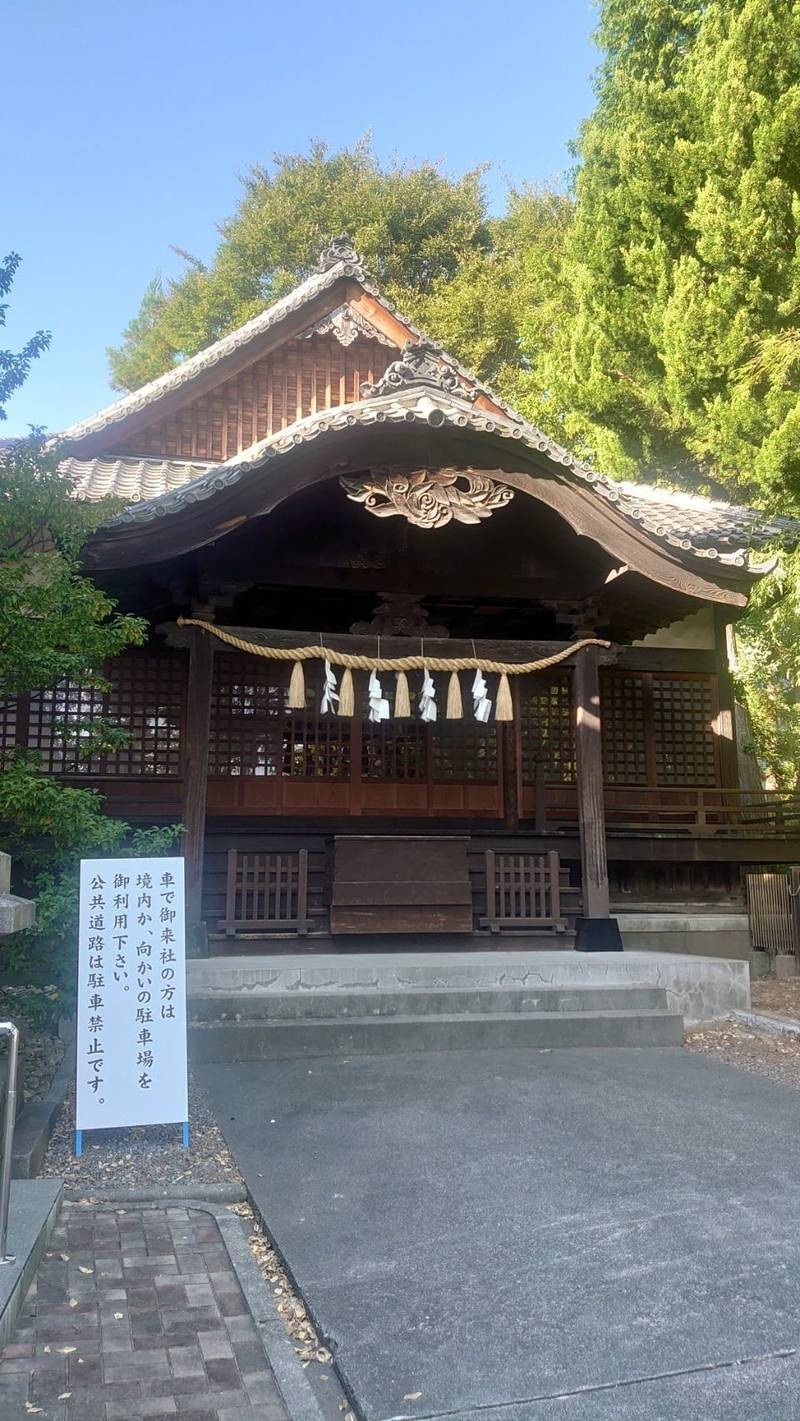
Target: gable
point(320, 369)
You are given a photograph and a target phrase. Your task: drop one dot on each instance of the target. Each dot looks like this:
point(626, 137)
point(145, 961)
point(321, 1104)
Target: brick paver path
point(137, 1313)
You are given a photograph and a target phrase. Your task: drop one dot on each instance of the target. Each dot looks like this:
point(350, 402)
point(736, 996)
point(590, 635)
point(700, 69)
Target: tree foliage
point(679, 358)
point(14, 365)
point(413, 226)
point(55, 625)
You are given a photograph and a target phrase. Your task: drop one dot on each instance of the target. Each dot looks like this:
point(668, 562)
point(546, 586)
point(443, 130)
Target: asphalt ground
point(532, 1235)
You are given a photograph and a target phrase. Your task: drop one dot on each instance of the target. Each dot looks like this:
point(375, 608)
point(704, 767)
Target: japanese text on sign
point(131, 1045)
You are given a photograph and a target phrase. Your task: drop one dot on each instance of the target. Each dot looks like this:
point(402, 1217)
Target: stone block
point(760, 965)
point(16, 913)
point(785, 965)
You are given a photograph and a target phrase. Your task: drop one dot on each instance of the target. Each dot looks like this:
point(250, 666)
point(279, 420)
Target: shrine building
point(414, 672)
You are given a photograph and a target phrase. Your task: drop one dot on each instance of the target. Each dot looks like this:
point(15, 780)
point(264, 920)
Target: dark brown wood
point(266, 893)
point(410, 884)
point(195, 776)
point(522, 891)
point(589, 768)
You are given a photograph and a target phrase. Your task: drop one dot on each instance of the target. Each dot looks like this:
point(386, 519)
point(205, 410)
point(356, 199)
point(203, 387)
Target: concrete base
point(709, 934)
point(760, 965)
point(597, 935)
point(700, 988)
point(32, 1216)
point(785, 966)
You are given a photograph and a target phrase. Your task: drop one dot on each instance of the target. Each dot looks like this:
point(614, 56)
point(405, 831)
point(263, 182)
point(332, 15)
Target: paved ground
point(137, 1313)
point(535, 1236)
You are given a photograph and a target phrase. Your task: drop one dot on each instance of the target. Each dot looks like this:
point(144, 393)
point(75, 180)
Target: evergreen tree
point(682, 264)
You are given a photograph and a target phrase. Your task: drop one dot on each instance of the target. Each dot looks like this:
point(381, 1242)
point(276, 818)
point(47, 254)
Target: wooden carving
point(429, 498)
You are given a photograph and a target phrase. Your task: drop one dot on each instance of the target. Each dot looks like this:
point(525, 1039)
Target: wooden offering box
point(408, 884)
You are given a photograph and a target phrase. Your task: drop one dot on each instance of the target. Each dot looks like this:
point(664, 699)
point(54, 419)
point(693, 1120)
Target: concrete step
point(454, 1001)
point(548, 1030)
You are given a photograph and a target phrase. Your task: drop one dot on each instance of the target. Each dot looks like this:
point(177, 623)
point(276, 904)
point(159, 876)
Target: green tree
point(55, 624)
point(681, 355)
point(14, 365)
point(413, 226)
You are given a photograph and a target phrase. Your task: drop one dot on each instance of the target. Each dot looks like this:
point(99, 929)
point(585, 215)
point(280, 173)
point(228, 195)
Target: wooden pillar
point(726, 708)
point(195, 780)
point(595, 931)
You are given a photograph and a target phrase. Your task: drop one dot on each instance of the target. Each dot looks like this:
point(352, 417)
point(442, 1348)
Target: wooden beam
point(725, 727)
point(589, 764)
point(195, 778)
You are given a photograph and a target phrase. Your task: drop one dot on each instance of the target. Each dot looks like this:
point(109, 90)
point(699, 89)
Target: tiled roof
point(136, 480)
point(206, 359)
point(703, 527)
point(700, 523)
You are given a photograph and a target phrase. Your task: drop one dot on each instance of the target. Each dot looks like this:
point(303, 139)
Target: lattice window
point(395, 749)
point(622, 702)
point(315, 746)
point(683, 734)
point(61, 721)
point(464, 752)
point(247, 698)
point(9, 726)
point(145, 700)
point(546, 727)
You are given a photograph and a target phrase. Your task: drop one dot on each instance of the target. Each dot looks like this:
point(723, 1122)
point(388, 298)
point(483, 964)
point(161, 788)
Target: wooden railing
point(522, 891)
point(266, 893)
point(696, 812)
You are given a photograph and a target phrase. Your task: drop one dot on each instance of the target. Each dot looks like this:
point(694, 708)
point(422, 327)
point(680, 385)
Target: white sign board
point(131, 1056)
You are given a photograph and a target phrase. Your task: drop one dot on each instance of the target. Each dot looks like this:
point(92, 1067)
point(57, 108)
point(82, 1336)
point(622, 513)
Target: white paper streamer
point(378, 704)
point(330, 695)
point(427, 697)
point(480, 701)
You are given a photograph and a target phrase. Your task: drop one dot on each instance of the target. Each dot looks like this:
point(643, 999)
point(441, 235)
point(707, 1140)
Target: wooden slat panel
point(522, 890)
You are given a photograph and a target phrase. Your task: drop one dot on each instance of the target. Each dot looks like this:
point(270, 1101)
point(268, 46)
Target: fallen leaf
point(86, 1270)
point(119, 1316)
point(412, 1396)
point(33, 1410)
point(64, 1257)
point(65, 1395)
point(73, 1302)
point(47, 1347)
point(65, 1351)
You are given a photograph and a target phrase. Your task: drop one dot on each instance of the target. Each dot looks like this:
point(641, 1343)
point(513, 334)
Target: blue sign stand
point(185, 1137)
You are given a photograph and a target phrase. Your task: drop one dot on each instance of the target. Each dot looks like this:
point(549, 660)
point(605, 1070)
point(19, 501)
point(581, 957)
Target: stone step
point(548, 1030)
point(453, 1001)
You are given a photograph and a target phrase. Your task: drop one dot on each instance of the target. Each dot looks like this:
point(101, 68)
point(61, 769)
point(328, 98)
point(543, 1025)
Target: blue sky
point(133, 118)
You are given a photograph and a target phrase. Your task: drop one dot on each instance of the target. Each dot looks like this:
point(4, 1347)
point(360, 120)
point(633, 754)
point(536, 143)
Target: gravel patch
point(40, 1056)
point(777, 1057)
point(770, 995)
point(142, 1157)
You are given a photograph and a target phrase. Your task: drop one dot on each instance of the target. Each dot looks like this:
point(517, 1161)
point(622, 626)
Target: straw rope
point(393, 663)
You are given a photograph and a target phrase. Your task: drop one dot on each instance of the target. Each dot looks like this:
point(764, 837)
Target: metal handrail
point(7, 1028)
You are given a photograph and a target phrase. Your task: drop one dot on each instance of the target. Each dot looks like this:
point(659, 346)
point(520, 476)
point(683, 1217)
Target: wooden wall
point(299, 378)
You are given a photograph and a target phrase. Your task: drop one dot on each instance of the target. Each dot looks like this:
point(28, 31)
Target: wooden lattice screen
point(770, 911)
point(266, 892)
point(683, 737)
point(657, 729)
point(546, 729)
point(145, 699)
point(522, 891)
point(624, 730)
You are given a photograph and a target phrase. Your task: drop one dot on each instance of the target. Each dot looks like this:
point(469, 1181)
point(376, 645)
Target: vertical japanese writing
point(95, 985)
point(131, 993)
